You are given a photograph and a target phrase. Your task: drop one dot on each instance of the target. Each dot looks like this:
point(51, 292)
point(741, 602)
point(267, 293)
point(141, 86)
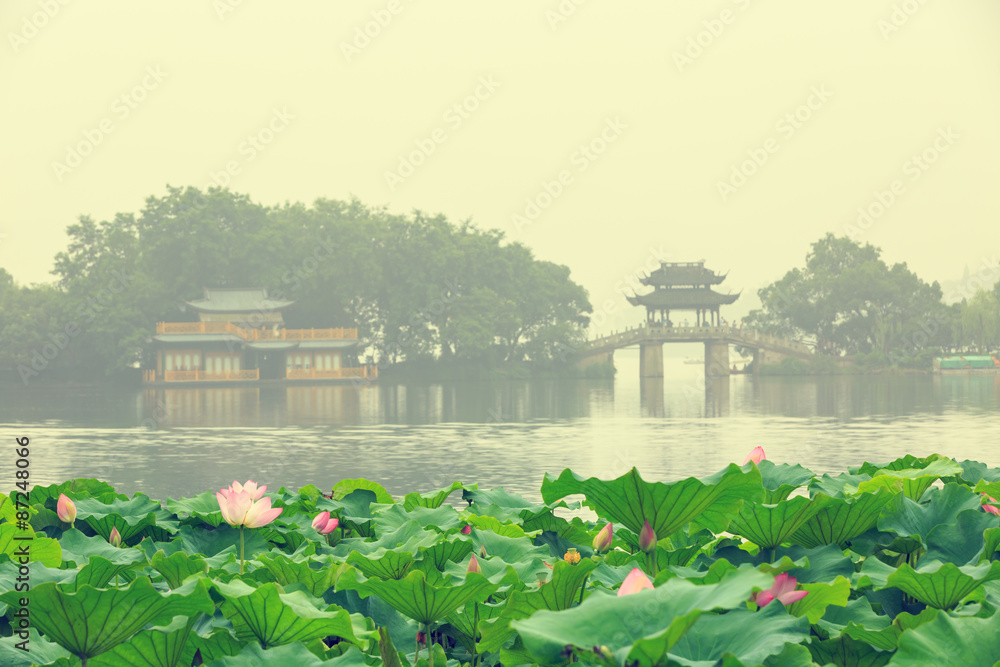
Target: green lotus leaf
point(203, 507)
point(16, 544)
point(961, 542)
point(942, 585)
point(779, 480)
point(769, 525)
point(950, 642)
point(837, 487)
point(751, 637)
point(413, 596)
point(39, 651)
point(409, 533)
point(100, 572)
point(975, 471)
point(821, 596)
point(641, 627)
point(384, 564)
point(820, 564)
point(913, 481)
point(453, 549)
point(274, 618)
point(511, 550)
point(712, 502)
point(8, 508)
point(90, 621)
point(218, 642)
point(390, 656)
point(907, 518)
point(992, 489)
point(345, 487)
point(442, 518)
point(77, 549)
point(431, 499)
point(489, 523)
point(178, 566)
point(559, 593)
point(885, 635)
point(846, 650)
point(357, 511)
point(462, 620)
point(991, 543)
point(212, 542)
point(287, 571)
point(842, 519)
point(37, 574)
point(130, 517)
point(573, 532)
point(156, 647)
point(74, 489)
point(253, 655)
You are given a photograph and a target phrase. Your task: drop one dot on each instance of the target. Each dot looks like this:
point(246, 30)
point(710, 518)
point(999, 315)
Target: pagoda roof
point(694, 297)
point(237, 300)
point(682, 273)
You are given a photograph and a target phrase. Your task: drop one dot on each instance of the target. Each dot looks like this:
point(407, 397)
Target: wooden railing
point(254, 334)
point(149, 375)
point(329, 373)
point(211, 376)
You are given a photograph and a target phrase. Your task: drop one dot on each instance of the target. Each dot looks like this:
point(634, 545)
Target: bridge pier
point(651, 360)
point(716, 358)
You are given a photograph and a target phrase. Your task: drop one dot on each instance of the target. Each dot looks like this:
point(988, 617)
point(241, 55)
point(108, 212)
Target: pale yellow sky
point(735, 131)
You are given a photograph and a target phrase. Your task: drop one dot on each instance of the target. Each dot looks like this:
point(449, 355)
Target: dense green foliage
point(851, 302)
point(417, 287)
point(893, 563)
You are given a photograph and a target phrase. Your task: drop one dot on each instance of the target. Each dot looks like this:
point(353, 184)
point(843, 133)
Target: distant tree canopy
point(852, 302)
point(416, 286)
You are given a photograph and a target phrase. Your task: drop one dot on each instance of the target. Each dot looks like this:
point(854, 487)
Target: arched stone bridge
point(651, 336)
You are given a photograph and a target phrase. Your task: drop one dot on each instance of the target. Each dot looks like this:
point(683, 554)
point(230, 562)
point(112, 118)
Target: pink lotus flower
point(324, 524)
point(66, 509)
point(757, 455)
point(783, 590)
point(474, 565)
point(634, 582)
point(602, 541)
point(250, 487)
point(115, 538)
point(992, 509)
point(647, 538)
point(466, 529)
point(240, 509)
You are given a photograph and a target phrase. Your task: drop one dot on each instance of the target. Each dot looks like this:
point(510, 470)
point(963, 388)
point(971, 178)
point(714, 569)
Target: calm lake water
point(423, 436)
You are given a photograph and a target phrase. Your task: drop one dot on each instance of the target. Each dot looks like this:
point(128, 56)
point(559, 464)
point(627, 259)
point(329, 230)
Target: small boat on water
point(689, 360)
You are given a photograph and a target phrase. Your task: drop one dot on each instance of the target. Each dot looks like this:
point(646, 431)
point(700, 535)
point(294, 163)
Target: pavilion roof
point(237, 300)
point(682, 273)
point(687, 298)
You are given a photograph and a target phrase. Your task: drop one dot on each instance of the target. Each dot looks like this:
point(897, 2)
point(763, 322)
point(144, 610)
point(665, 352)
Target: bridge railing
point(737, 335)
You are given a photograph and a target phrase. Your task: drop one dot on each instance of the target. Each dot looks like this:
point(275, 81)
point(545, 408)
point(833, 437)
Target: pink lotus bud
point(783, 590)
point(474, 565)
point(324, 524)
point(66, 509)
point(992, 509)
point(115, 538)
point(757, 455)
point(467, 530)
point(602, 542)
point(634, 582)
point(647, 538)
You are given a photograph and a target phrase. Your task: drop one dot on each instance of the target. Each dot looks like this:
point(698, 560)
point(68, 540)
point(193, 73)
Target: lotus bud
point(572, 556)
point(324, 524)
point(602, 542)
point(482, 551)
point(66, 509)
point(467, 529)
point(634, 582)
point(647, 538)
point(115, 538)
point(473, 566)
point(992, 509)
point(757, 455)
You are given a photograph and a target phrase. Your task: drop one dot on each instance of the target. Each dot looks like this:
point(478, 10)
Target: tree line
point(849, 301)
point(418, 287)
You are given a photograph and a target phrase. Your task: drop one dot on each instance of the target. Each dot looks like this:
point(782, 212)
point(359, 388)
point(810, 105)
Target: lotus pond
point(761, 564)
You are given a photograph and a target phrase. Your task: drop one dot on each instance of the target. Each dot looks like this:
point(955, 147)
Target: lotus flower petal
point(992, 509)
point(602, 541)
point(261, 513)
point(757, 455)
point(474, 565)
point(647, 537)
point(115, 538)
point(634, 582)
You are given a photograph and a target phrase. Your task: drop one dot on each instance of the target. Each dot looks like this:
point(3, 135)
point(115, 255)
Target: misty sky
point(735, 131)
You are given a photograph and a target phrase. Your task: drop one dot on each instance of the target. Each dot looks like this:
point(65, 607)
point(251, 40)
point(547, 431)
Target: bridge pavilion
point(683, 286)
